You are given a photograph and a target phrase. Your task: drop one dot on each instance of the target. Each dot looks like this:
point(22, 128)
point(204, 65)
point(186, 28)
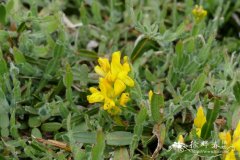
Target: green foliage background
point(48, 50)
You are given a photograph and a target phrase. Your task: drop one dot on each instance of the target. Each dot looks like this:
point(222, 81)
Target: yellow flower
point(226, 138)
point(106, 88)
point(115, 70)
point(119, 71)
point(180, 139)
point(236, 138)
point(199, 13)
point(150, 94)
point(108, 104)
point(230, 155)
point(113, 82)
point(96, 96)
point(199, 121)
point(231, 142)
point(124, 99)
point(119, 87)
point(104, 67)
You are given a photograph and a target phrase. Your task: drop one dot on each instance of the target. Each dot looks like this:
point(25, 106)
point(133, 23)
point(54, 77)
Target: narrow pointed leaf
point(142, 46)
point(119, 138)
point(236, 91)
point(2, 14)
point(98, 149)
point(157, 105)
point(212, 114)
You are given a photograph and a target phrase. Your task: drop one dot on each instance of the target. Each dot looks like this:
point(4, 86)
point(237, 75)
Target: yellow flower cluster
point(199, 121)
point(233, 143)
point(112, 83)
point(199, 13)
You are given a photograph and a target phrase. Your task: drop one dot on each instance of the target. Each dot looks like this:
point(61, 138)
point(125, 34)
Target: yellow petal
point(93, 90)
point(126, 66)
point(198, 132)
point(236, 145)
point(125, 59)
point(111, 77)
point(126, 79)
point(226, 138)
point(105, 87)
point(200, 118)
point(124, 99)
point(119, 87)
point(104, 64)
point(150, 94)
point(199, 13)
point(108, 104)
point(236, 134)
point(180, 139)
point(99, 71)
point(95, 97)
point(230, 155)
point(116, 66)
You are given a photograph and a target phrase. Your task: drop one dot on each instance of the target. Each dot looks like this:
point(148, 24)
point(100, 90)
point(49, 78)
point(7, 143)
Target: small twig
point(158, 131)
point(54, 143)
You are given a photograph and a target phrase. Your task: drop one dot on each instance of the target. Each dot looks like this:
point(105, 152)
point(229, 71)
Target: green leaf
point(212, 114)
point(51, 126)
point(34, 121)
point(157, 106)
point(180, 56)
point(236, 91)
point(51, 68)
point(3, 67)
point(199, 83)
point(4, 120)
point(170, 36)
point(21, 27)
point(63, 110)
point(36, 133)
point(121, 154)
point(85, 137)
point(83, 14)
point(13, 127)
point(4, 132)
point(30, 152)
point(81, 74)
point(50, 24)
point(142, 46)
point(58, 50)
point(87, 54)
point(197, 86)
point(18, 56)
point(138, 129)
point(96, 12)
point(119, 138)
point(150, 76)
point(9, 5)
point(98, 149)
point(2, 14)
point(4, 103)
point(68, 81)
point(68, 78)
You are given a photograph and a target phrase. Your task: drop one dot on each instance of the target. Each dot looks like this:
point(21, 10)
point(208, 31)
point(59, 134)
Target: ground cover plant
point(133, 79)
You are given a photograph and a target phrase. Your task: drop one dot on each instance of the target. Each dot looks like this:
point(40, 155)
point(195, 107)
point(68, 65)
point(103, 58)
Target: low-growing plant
point(119, 79)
